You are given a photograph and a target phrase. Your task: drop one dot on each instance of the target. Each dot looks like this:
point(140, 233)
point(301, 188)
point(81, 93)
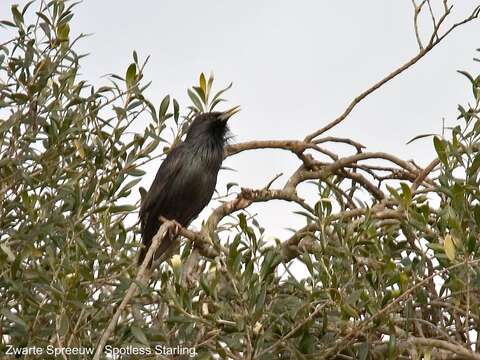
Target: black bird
point(186, 180)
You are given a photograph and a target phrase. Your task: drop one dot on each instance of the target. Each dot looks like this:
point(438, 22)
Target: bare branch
point(446, 345)
point(246, 198)
point(435, 39)
point(417, 11)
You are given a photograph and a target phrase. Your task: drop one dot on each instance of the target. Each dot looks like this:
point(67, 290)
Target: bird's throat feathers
point(209, 148)
point(207, 132)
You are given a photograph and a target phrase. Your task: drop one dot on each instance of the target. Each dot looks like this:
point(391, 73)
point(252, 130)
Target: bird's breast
point(193, 186)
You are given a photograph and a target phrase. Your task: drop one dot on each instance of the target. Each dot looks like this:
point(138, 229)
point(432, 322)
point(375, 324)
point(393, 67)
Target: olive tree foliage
point(391, 249)
point(68, 161)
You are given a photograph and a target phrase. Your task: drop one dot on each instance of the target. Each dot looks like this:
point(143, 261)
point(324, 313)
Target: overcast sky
point(295, 66)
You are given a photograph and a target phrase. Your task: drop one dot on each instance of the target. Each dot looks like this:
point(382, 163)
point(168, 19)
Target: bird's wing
point(165, 174)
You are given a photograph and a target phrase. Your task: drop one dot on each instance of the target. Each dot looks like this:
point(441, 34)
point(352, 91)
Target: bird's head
point(211, 126)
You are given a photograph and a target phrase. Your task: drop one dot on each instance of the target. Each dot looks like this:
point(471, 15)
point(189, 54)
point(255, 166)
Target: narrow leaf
point(440, 149)
point(164, 107)
point(196, 101)
point(203, 83)
point(449, 247)
point(176, 110)
point(419, 137)
point(131, 75)
point(140, 335)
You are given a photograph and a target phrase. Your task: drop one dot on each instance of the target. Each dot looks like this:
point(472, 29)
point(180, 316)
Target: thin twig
point(144, 273)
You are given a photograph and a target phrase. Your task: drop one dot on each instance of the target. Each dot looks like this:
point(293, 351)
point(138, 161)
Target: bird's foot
point(176, 227)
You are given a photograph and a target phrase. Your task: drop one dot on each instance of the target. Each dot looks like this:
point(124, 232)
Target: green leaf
point(203, 83)
point(17, 16)
point(307, 344)
point(218, 94)
point(233, 251)
point(7, 23)
point(122, 208)
point(260, 303)
point(20, 98)
point(131, 75)
point(127, 187)
point(63, 325)
point(464, 113)
point(392, 347)
point(121, 113)
point(142, 192)
point(349, 310)
point(305, 258)
point(471, 243)
point(210, 82)
point(440, 148)
point(44, 18)
point(25, 8)
point(136, 172)
point(200, 94)
point(63, 31)
point(196, 101)
point(407, 194)
point(419, 137)
point(12, 317)
point(363, 350)
point(394, 193)
point(215, 103)
point(163, 107)
point(139, 335)
point(472, 170)
point(476, 212)
point(230, 185)
point(176, 110)
point(449, 247)
point(467, 75)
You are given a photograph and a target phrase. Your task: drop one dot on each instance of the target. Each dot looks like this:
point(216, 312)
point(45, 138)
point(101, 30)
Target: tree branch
point(142, 277)
point(434, 41)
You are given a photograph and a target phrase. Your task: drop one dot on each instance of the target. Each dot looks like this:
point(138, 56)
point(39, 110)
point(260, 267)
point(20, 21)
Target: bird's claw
point(176, 227)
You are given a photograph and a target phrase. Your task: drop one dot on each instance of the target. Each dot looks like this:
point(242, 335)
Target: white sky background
point(295, 67)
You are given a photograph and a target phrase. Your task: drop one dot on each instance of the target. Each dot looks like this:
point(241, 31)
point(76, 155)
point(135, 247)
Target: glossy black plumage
point(186, 179)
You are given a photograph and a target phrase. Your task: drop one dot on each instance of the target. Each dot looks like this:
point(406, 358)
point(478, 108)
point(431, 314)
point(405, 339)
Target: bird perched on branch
point(186, 180)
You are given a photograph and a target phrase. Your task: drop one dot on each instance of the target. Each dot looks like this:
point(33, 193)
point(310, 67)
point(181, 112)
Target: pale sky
point(295, 66)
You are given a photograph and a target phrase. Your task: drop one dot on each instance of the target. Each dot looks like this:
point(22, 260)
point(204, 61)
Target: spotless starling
point(186, 179)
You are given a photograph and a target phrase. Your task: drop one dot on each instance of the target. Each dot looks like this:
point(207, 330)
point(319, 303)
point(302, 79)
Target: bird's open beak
point(229, 113)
